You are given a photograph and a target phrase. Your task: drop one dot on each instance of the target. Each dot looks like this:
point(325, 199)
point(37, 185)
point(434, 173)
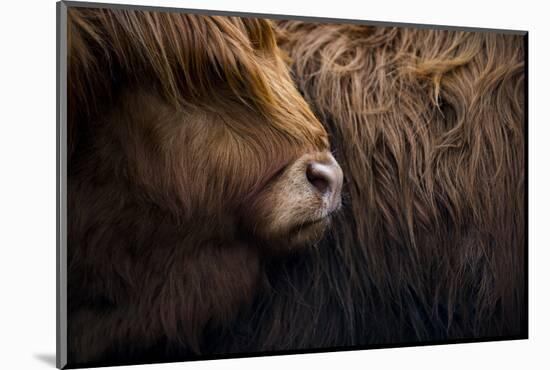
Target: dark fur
point(177, 124)
point(428, 127)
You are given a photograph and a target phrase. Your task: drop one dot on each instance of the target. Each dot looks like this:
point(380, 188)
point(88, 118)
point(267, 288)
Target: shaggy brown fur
point(183, 130)
point(429, 129)
point(184, 133)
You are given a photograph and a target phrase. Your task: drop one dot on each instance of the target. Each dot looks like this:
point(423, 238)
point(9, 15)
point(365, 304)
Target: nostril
point(319, 176)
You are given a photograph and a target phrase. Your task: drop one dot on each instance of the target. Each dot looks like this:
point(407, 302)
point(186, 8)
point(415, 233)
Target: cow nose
point(326, 177)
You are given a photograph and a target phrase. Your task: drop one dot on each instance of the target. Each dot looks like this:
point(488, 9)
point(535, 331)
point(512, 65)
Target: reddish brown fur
point(177, 125)
point(428, 126)
point(429, 129)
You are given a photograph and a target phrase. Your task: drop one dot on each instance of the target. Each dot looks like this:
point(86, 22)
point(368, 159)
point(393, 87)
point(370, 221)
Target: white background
point(27, 183)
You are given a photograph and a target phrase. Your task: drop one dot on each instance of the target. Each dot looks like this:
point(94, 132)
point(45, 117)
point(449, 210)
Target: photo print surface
point(239, 185)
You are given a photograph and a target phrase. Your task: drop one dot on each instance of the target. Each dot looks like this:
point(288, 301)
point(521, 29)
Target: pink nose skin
point(326, 177)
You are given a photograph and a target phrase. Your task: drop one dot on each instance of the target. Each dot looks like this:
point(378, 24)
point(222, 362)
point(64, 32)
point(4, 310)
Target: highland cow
point(192, 158)
point(428, 126)
point(204, 201)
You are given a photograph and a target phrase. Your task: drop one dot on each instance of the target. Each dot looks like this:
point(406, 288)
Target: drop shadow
point(47, 358)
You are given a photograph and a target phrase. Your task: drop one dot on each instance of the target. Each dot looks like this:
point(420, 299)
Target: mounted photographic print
point(235, 184)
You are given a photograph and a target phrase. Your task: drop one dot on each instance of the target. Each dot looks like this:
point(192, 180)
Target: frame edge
point(61, 186)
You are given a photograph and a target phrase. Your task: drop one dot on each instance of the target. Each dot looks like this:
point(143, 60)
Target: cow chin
point(294, 210)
